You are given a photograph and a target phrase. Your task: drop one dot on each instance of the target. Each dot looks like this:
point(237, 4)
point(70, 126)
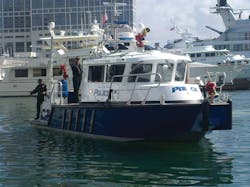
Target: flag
point(105, 17)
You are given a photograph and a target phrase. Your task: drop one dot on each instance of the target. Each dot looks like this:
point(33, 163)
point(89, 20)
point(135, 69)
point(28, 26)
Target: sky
point(161, 15)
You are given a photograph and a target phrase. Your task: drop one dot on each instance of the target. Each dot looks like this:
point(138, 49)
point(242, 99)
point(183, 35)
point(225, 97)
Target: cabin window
point(57, 71)
point(96, 74)
point(165, 71)
point(21, 73)
point(207, 54)
point(198, 55)
point(192, 55)
point(140, 69)
point(39, 72)
point(115, 70)
point(180, 71)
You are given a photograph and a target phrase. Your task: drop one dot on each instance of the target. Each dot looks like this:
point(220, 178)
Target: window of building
point(21, 72)
point(140, 69)
point(47, 3)
point(28, 47)
point(37, 20)
point(115, 70)
point(27, 5)
point(27, 21)
point(60, 19)
point(60, 3)
point(39, 72)
point(165, 71)
point(96, 73)
point(18, 5)
point(8, 22)
point(19, 22)
point(8, 5)
point(19, 46)
point(37, 4)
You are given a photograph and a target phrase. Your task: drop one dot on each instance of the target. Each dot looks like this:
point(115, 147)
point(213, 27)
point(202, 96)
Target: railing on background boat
point(56, 95)
point(220, 79)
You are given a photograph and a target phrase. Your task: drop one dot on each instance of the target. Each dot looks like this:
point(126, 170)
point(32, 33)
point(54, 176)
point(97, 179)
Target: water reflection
point(35, 157)
point(69, 160)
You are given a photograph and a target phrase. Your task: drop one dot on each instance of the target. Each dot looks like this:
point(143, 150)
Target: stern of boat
point(220, 116)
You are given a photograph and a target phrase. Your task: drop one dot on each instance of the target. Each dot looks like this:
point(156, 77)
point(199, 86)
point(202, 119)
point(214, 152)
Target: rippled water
point(33, 157)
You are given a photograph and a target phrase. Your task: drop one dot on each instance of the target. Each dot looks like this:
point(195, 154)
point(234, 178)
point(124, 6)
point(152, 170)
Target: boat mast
point(226, 12)
point(116, 12)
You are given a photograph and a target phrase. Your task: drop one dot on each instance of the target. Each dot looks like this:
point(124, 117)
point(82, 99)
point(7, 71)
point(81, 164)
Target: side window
point(57, 71)
point(96, 74)
point(165, 71)
point(21, 72)
point(114, 70)
point(180, 71)
point(140, 69)
point(37, 72)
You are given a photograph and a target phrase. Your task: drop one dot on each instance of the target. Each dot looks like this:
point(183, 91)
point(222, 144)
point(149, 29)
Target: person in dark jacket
point(41, 90)
point(77, 77)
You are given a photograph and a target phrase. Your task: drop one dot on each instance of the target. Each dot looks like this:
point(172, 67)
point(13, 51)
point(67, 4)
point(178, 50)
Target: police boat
point(136, 95)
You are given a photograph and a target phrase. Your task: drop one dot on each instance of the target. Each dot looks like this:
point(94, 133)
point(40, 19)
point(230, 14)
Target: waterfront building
point(23, 22)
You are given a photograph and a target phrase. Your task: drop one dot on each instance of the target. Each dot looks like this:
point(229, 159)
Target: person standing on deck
point(41, 90)
point(211, 89)
point(77, 77)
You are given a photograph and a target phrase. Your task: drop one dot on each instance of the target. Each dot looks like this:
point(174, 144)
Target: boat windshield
point(165, 70)
point(180, 71)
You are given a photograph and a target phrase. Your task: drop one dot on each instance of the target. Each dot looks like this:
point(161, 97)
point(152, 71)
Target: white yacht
point(236, 37)
point(19, 75)
point(205, 58)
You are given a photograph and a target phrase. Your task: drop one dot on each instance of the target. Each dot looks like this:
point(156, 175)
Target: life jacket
point(211, 87)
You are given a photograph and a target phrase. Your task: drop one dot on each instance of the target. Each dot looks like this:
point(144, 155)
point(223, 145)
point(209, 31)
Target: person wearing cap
point(41, 90)
point(77, 76)
point(141, 36)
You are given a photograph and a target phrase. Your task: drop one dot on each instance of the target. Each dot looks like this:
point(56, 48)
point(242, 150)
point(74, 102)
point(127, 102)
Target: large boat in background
point(205, 58)
point(19, 75)
point(236, 37)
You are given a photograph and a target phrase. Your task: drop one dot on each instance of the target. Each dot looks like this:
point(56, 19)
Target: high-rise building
point(23, 22)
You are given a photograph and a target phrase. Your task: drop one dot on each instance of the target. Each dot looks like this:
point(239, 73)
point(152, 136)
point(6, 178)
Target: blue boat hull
point(131, 122)
point(173, 121)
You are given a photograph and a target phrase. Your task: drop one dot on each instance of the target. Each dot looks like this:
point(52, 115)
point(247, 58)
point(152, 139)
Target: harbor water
point(35, 157)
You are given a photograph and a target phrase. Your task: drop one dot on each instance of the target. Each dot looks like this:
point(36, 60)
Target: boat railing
point(129, 102)
point(56, 96)
point(220, 79)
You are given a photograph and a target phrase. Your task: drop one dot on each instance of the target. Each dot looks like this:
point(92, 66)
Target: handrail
point(134, 87)
point(59, 94)
point(222, 96)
